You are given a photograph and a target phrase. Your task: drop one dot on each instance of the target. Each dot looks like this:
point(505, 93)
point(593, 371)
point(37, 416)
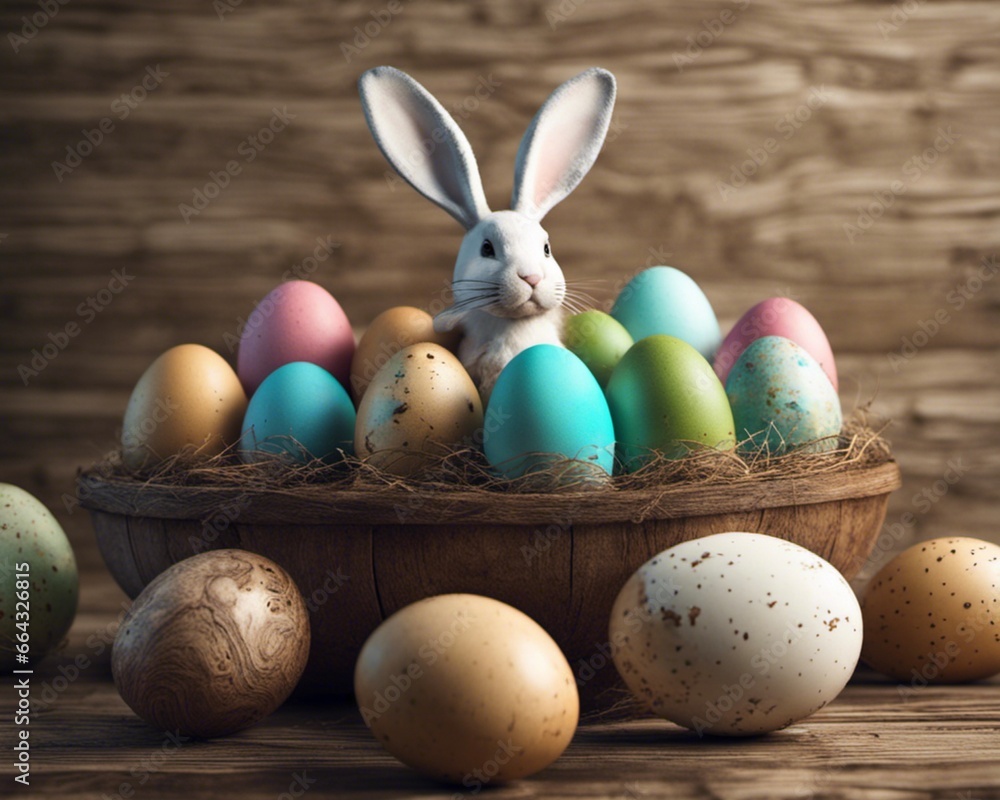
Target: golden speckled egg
point(188, 397)
point(390, 332)
point(932, 614)
point(418, 405)
point(467, 689)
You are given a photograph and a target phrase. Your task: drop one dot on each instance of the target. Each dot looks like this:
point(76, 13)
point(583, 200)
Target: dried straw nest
point(861, 444)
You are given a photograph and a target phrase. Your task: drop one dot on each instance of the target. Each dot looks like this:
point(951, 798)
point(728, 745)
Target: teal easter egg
point(547, 406)
point(782, 399)
point(599, 340)
point(299, 412)
point(664, 397)
point(664, 300)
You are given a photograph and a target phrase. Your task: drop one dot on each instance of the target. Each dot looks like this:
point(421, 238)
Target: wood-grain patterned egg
point(188, 399)
point(736, 633)
point(932, 614)
point(466, 689)
point(418, 406)
point(212, 645)
point(391, 331)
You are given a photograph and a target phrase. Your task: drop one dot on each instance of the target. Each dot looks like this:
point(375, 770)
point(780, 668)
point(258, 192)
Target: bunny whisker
point(575, 299)
point(574, 306)
point(586, 299)
point(588, 282)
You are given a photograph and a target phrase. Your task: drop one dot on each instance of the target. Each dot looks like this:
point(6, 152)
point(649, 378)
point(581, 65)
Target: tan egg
point(467, 689)
point(420, 404)
point(188, 397)
point(390, 332)
point(932, 614)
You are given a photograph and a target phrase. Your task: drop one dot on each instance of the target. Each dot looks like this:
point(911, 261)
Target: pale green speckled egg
point(42, 604)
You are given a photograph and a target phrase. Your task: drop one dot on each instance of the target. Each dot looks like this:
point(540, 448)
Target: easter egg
point(665, 398)
point(188, 400)
point(664, 300)
point(599, 340)
point(932, 614)
point(212, 645)
point(782, 399)
point(300, 412)
point(776, 316)
point(458, 685)
point(546, 407)
point(388, 333)
point(296, 321)
point(39, 586)
point(736, 633)
point(418, 407)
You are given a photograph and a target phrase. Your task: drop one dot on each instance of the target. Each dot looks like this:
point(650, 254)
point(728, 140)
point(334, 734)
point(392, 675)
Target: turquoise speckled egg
point(299, 412)
point(547, 406)
point(782, 399)
point(665, 398)
point(39, 585)
point(665, 300)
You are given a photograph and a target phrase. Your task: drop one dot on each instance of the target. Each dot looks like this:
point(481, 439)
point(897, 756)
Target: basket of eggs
point(584, 463)
point(577, 490)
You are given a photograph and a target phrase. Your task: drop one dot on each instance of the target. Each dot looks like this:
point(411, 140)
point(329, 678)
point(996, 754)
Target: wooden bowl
point(359, 555)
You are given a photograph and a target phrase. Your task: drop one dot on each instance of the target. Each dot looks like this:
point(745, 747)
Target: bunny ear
point(562, 142)
point(423, 143)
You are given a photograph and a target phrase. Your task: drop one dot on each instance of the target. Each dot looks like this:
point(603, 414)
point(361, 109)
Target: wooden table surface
point(681, 128)
point(873, 743)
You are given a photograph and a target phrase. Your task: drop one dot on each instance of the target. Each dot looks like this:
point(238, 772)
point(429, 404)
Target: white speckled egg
point(736, 633)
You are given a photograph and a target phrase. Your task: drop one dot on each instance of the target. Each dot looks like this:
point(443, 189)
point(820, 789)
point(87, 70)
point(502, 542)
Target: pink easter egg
point(297, 321)
point(776, 316)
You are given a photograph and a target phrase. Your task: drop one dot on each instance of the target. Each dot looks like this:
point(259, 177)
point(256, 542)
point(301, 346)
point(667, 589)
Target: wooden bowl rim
point(397, 505)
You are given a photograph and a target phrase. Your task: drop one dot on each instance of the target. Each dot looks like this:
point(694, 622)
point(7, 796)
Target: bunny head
point(505, 273)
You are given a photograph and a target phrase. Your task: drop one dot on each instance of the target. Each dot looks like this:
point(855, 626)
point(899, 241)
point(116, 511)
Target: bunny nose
point(531, 280)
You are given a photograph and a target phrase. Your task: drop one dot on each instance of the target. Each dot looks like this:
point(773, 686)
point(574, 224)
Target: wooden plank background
point(886, 81)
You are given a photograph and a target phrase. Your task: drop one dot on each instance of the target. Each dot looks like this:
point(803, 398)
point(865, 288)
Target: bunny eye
point(548, 250)
point(487, 251)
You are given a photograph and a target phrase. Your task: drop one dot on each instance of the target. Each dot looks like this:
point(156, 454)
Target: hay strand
point(861, 444)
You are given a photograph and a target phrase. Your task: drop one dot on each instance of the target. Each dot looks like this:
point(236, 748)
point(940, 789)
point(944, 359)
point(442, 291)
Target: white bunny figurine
point(508, 289)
